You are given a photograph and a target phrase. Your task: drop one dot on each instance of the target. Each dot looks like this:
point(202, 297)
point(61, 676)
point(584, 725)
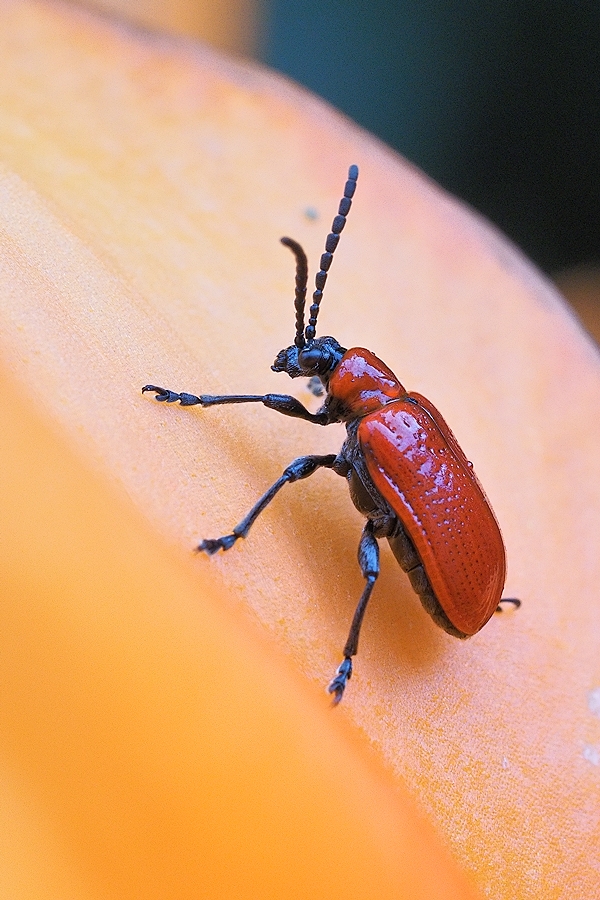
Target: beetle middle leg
point(368, 558)
point(299, 468)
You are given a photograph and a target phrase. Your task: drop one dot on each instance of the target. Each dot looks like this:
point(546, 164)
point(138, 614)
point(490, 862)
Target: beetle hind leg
point(368, 558)
point(515, 602)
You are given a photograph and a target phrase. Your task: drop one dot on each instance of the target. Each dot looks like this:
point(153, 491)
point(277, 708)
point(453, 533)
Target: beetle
point(405, 470)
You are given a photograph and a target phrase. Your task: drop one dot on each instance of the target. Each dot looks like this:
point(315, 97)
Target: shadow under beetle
point(406, 473)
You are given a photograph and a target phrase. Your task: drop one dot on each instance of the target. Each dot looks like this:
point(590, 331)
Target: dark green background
point(499, 102)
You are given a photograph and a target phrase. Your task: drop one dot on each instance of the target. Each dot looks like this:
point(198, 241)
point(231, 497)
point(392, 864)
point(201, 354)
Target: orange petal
point(156, 735)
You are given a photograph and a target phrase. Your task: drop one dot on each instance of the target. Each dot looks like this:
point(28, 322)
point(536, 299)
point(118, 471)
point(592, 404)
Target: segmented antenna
point(330, 245)
point(301, 282)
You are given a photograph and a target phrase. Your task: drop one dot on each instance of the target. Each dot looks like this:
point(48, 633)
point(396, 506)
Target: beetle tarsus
point(342, 677)
point(163, 395)
point(189, 399)
point(515, 602)
point(213, 545)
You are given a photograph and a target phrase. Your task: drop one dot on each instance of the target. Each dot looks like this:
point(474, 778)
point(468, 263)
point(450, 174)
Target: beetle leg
point(516, 603)
point(282, 403)
point(368, 558)
point(315, 386)
point(299, 468)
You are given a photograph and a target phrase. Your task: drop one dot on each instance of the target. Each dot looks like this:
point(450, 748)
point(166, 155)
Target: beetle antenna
point(301, 282)
point(330, 244)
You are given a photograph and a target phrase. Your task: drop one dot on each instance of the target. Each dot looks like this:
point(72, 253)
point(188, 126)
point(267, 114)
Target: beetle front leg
point(368, 558)
point(298, 469)
point(282, 403)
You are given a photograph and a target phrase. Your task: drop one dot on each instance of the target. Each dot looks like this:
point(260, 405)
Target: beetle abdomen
point(407, 557)
point(417, 466)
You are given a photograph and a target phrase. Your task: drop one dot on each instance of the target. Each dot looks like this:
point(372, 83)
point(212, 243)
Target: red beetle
point(406, 473)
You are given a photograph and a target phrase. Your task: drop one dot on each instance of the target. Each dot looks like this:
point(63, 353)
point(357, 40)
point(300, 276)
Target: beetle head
point(319, 357)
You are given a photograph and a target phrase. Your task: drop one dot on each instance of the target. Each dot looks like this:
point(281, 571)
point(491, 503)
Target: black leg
point(516, 603)
point(281, 403)
point(368, 558)
point(299, 468)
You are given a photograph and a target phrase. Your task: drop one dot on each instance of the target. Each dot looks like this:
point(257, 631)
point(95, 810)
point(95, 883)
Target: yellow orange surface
point(233, 25)
point(165, 730)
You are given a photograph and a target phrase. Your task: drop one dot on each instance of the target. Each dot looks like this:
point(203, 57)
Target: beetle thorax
point(361, 384)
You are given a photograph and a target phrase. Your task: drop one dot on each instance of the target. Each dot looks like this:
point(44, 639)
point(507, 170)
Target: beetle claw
point(342, 677)
point(212, 545)
point(162, 394)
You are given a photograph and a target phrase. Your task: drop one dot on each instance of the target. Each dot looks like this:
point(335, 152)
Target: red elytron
point(406, 473)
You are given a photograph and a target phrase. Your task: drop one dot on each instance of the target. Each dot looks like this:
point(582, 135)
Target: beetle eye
point(310, 359)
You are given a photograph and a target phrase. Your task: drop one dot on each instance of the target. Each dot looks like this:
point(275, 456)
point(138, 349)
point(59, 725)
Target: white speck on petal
point(594, 702)
point(592, 754)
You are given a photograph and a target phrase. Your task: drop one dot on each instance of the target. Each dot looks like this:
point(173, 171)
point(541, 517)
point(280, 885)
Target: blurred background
point(499, 102)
